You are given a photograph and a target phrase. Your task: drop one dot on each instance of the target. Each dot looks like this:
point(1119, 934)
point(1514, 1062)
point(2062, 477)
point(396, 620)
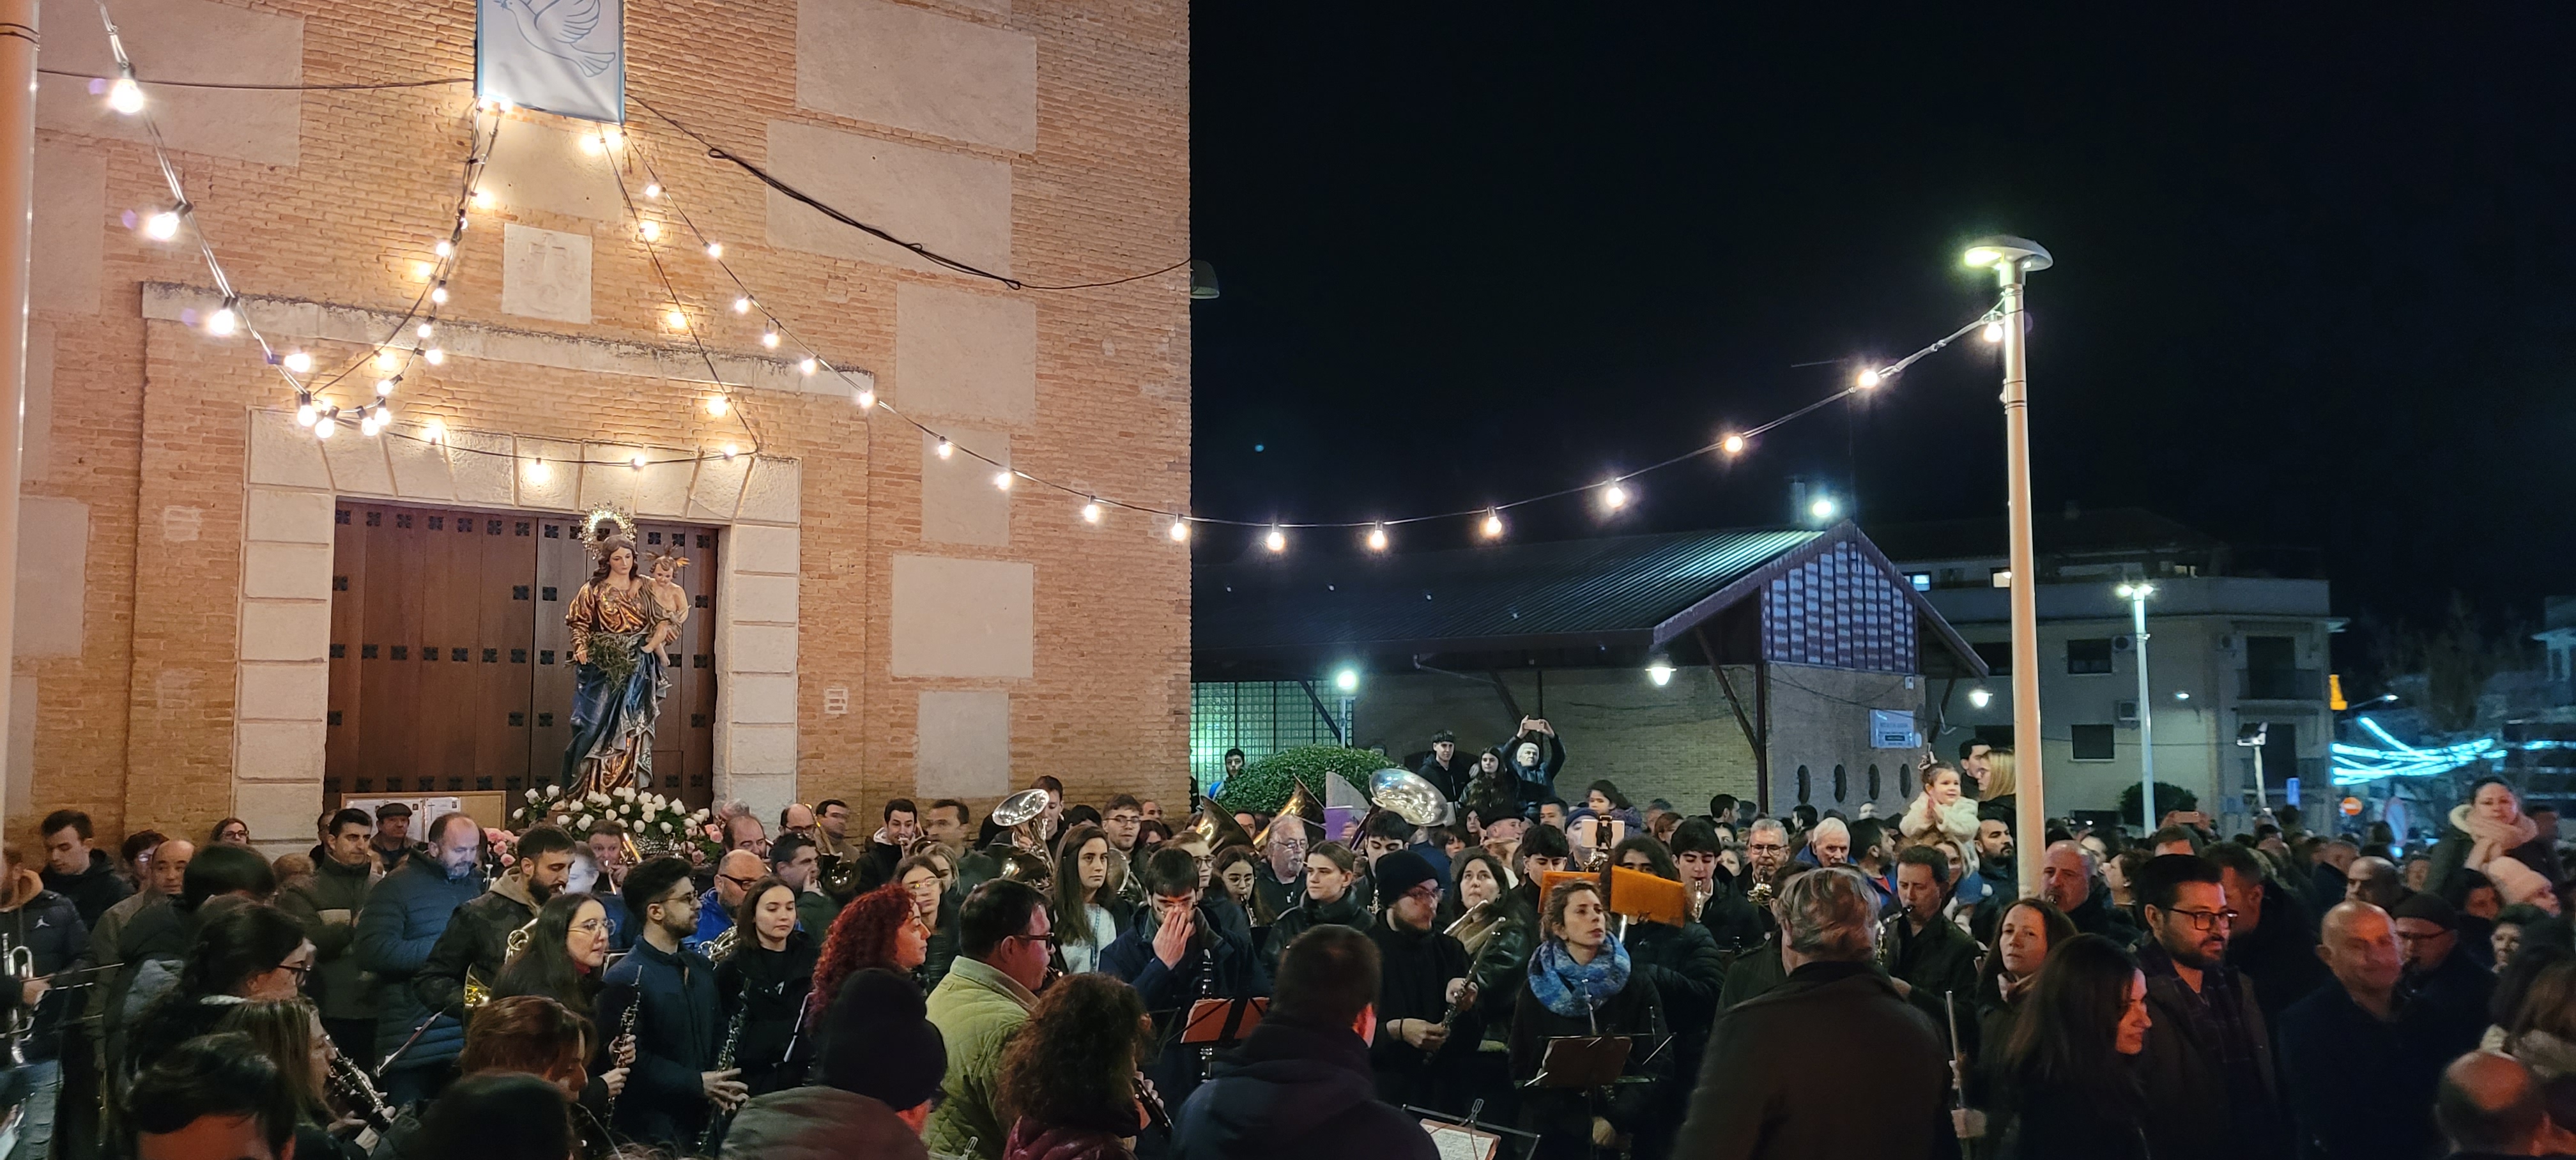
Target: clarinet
point(1155, 1113)
point(718, 1119)
point(626, 1031)
point(1207, 990)
point(360, 1096)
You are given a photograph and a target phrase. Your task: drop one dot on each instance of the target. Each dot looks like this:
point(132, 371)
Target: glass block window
point(1260, 718)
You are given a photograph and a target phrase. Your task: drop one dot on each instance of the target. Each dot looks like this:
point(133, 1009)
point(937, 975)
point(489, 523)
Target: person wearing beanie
point(2438, 972)
point(884, 1062)
point(1424, 1006)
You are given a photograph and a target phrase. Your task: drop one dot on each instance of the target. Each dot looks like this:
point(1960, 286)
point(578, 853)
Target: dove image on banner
point(557, 56)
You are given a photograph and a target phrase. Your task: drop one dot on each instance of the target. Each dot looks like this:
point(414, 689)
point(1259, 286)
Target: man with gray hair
point(1830, 843)
point(1759, 1096)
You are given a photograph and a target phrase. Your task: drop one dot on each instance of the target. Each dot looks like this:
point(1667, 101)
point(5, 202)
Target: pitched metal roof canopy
point(1618, 591)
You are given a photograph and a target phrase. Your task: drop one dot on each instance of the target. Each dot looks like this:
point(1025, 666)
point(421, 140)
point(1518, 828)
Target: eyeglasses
point(2205, 919)
point(2426, 936)
point(1428, 892)
point(591, 926)
point(739, 883)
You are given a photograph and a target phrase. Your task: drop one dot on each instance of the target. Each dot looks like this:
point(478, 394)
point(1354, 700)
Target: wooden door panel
point(341, 760)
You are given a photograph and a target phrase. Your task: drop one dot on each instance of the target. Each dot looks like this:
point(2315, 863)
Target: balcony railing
point(2280, 685)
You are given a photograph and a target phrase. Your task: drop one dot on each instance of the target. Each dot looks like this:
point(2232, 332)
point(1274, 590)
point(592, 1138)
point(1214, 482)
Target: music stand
point(1221, 1022)
point(1582, 1061)
point(1464, 1138)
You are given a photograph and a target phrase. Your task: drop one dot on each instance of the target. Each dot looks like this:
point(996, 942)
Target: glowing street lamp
point(2011, 258)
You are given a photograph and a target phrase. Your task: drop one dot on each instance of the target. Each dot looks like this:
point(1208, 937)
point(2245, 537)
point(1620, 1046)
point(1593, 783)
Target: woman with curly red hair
point(880, 928)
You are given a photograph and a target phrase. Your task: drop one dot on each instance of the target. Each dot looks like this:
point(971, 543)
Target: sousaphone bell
point(1410, 796)
point(1020, 813)
point(1300, 804)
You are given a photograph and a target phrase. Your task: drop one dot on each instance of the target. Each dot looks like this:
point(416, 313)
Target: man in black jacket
point(49, 927)
point(477, 939)
point(405, 915)
point(72, 869)
point(2066, 880)
point(2207, 1067)
point(1300, 1087)
point(1782, 1069)
point(2271, 938)
point(1932, 957)
point(1422, 974)
point(2360, 1062)
point(1174, 956)
point(1443, 768)
point(328, 904)
point(678, 1022)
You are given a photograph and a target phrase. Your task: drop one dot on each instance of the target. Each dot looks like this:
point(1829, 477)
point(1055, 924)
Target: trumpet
point(20, 963)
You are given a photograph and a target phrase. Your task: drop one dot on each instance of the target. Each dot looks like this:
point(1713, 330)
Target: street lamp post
point(2137, 594)
point(2012, 258)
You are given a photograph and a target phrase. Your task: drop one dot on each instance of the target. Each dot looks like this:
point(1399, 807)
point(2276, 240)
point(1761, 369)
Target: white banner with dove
point(558, 56)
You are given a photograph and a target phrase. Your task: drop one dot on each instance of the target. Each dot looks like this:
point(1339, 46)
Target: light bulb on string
point(125, 96)
point(649, 230)
point(1994, 332)
point(424, 330)
point(653, 189)
point(742, 305)
point(1091, 512)
point(715, 250)
point(612, 138)
point(482, 199)
point(1277, 540)
point(1493, 527)
point(809, 366)
point(444, 248)
point(675, 318)
point(433, 432)
point(1614, 496)
point(384, 388)
point(1002, 480)
point(538, 472)
point(946, 449)
point(305, 411)
point(730, 451)
point(1180, 529)
point(591, 144)
point(636, 461)
point(438, 294)
point(867, 398)
point(1869, 377)
point(433, 356)
point(298, 362)
point(323, 427)
point(388, 360)
point(717, 405)
point(223, 321)
point(769, 338)
point(1732, 444)
point(162, 226)
point(1377, 538)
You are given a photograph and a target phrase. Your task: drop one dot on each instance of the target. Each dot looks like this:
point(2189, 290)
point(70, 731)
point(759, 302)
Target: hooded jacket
point(1295, 1091)
point(93, 890)
point(49, 926)
point(340, 984)
point(820, 1123)
point(405, 915)
point(476, 941)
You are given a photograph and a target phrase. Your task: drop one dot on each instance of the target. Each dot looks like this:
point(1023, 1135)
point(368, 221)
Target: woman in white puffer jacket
point(1939, 811)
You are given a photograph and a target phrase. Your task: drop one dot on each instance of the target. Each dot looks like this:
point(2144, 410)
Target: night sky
point(2314, 284)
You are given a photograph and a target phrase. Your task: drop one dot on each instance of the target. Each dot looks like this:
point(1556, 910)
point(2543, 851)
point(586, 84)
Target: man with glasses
point(1282, 881)
point(736, 874)
point(2438, 974)
point(1422, 976)
point(678, 1023)
point(1121, 818)
point(477, 939)
point(2207, 1066)
point(1003, 932)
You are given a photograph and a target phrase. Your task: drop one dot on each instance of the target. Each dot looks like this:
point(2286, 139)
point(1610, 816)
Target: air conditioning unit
point(2124, 643)
point(2127, 712)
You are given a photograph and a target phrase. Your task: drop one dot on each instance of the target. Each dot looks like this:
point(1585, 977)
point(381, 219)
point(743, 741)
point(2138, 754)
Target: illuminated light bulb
point(1091, 512)
point(1994, 332)
point(717, 405)
point(368, 426)
point(482, 199)
point(444, 248)
point(1180, 529)
point(742, 305)
point(306, 413)
point(612, 138)
point(424, 270)
point(538, 472)
point(945, 450)
point(653, 189)
point(438, 294)
point(162, 226)
point(636, 461)
point(809, 366)
point(1980, 698)
point(1002, 480)
point(125, 96)
point(675, 318)
point(1615, 496)
point(1347, 680)
point(434, 431)
point(1868, 378)
point(730, 451)
point(1822, 509)
point(433, 356)
point(867, 398)
point(591, 144)
point(384, 388)
point(1276, 541)
point(327, 425)
point(223, 321)
point(715, 250)
point(388, 360)
point(650, 230)
point(1493, 525)
point(423, 330)
point(1377, 538)
point(1660, 673)
point(1983, 256)
point(769, 338)
point(299, 362)
point(1733, 444)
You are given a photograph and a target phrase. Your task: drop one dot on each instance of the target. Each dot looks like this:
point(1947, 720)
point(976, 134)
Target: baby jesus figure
point(668, 606)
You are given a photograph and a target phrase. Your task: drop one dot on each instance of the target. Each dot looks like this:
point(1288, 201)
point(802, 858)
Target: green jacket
point(344, 989)
point(976, 1009)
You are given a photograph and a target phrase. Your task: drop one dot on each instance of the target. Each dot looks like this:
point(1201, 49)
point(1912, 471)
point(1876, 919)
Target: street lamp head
point(2004, 249)
point(2136, 591)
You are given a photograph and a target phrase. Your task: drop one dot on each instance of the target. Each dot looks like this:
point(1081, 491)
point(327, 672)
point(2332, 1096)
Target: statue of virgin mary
point(618, 684)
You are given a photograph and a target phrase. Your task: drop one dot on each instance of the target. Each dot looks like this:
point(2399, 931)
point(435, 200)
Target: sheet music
point(1457, 1143)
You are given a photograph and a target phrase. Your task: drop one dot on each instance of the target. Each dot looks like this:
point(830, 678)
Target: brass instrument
point(721, 947)
point(718, 1120)
point(1409, 796)
point(1473, 912)
point(1026, 866)
point(1131, 885)
point(20, 963)
point(478, 992)
point(1217, 828)
point(1299, 804)
point(1022, 813)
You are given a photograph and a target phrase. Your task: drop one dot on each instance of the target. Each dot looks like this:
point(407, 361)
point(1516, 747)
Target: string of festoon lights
point(392, 359)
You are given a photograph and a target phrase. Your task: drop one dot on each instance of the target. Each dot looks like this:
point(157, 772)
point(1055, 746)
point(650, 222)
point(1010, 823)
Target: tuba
point(1300, 804)
point(1022, 814)
point(1028, 867)
point(1409, 796)
point(1217, 828)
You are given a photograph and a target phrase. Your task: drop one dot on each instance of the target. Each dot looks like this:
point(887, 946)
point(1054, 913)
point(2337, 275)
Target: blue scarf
point(1573, 989)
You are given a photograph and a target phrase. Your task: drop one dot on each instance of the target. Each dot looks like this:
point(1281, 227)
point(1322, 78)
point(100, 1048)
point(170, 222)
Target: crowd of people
point(1100, 982)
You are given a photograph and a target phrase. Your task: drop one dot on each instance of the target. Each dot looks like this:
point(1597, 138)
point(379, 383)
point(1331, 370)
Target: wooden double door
point(451, 666)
